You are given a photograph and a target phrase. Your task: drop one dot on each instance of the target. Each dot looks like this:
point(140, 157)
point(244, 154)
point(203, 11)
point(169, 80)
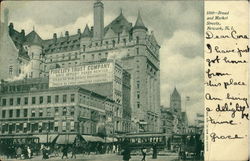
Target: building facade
point(133, 45)
point(31, 107)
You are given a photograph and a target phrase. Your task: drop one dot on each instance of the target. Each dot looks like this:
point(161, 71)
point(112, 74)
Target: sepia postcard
point(124, 80)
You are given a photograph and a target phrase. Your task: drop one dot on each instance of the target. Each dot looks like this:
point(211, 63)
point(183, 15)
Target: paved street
point(104, 157)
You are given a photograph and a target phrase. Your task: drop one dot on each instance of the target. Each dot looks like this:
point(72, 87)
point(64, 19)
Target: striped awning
point(90, 138)
point(66, 139)
point(43, 138)
point(111, 140)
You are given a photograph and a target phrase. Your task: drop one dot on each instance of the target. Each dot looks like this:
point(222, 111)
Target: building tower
point(175, 102)
point(34, 46)
point(98, 20)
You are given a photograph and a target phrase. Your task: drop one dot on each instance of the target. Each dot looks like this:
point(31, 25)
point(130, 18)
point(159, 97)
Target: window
point(48, 99)
point(138, 84)
point(83, 48)
point(72, 98)
point(4, 102)
point(33, 100)
point(138, 104)
point(56, 111)
point(75, 55)
point(93, 56)
point(72, 126)
point(48, 111)
point(64, 98)
point(3, 113)
point(18, 101)
point(40, 112)
point(63, 126)
point(11, 70)
point(124, 41)
point(83, 57)
point(41, 99)
point(113, 43)
point(26, 100)
point(56, 127)
point(33, 113)
point(10, 113)
point(137, 51)
point(72, 112)
point(11, 101)
point(25, 112)
point(106, 55)
point(137, 40)
point(31, 74)
point(56, 98)
point(64, 111)
point(138, 94)
point(18, 113)
point(63, 56)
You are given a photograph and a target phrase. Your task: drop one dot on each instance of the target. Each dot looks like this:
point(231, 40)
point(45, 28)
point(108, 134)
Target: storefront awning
point(66, 139)
point(111, 140)
point(89, 138)
point(16, 137)
point(43, 138)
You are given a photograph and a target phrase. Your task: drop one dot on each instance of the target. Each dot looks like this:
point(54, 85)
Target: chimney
point(23, 33)
point(67, 34)
point(98, 20)
point(54, 37)
point(78, 31)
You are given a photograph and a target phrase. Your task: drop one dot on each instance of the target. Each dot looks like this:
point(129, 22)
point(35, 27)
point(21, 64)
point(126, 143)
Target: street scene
point(100, 80)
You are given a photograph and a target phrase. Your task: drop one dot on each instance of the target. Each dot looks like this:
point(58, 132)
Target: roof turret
point(86, 32)
point(139, 23)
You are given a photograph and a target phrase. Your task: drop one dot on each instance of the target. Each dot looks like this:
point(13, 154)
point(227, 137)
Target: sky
point(177, 26)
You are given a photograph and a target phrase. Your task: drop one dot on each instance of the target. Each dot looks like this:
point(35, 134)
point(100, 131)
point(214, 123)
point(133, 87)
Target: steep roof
point(33, 38)
point(62, 44)
point(139, 23)
point(176, 93)
point(119, 24)
point(86, 32)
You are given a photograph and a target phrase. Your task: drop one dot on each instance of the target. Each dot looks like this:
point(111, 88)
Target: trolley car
point(146, 140)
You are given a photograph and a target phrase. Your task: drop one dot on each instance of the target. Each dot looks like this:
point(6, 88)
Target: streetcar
point(143, 140)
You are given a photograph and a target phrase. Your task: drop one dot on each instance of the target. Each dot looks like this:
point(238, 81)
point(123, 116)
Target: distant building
point(180, 120)
point(167, 121)
point(135, 47)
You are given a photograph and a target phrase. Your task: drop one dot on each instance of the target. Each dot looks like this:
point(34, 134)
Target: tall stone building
point(175, 102)
point(132, 46)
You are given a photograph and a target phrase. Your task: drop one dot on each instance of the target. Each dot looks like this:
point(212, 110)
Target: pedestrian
point(126, 154)
point(65, 151)
point(44, 152)
point(18, 152)
point(154, 156)
point(29, 152)
point(73, 149)
point(143, 151)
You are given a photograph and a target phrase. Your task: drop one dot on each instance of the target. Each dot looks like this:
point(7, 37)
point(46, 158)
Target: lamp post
point(48, 132)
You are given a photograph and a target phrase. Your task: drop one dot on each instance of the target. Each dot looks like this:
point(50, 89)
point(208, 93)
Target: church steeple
point(139, 23)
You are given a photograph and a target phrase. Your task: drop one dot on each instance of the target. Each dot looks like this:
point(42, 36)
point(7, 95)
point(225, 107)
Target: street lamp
point(48, 132)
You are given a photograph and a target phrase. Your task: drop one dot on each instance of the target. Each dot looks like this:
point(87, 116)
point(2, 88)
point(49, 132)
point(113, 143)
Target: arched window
point(137, 39)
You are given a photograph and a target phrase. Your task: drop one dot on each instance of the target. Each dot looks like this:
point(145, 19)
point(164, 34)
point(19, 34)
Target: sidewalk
point(100, 157)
